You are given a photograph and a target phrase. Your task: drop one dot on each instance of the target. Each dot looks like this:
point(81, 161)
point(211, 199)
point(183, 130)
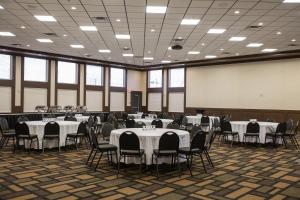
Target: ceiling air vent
point(16, 44)
point(138, 56)
point(147, 62)
point(126, 48)
point(226, 53)
point(87, 55)
point(177, 44)
point(253, 27)
point(51, 34)
point(293, 45)
point(100, 19)
point(176, 47)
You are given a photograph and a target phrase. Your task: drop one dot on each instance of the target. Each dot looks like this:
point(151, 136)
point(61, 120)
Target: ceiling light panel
point(216, 31)
point(291, 1)
point(193, 52)
point(45, 18)
point(128, 55)
point(237, 39)
point(1, 7)
point(190, 21)
point(254, 45)
point(148, 58)
point(210, 56)
point(88, 28)
point(269, 50)
point(104, 51)
point(156, 9)
point(77, 46)
point(7, 34)
point(43, 40)
point(165, 61)
point(123, 36)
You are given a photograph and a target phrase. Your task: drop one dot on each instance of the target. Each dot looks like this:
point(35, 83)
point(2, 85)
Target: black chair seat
point(32, 136)
point(251, 134)
point(51, 136)
point(132, 152)
point(9, 134)
point(187, 150)
point(164, 152)
point(231, 133)
point(107, 147)
point(9, 131)
point(75, 135)
point(204, 124)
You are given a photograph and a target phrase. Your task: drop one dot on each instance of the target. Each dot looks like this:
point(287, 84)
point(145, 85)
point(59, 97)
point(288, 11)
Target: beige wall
point(257, 85)
point(136, 81)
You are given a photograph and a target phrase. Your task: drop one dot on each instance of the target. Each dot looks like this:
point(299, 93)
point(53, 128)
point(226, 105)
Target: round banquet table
point(79, 118)
point(139, 116)
point(264, 127)
point(149, 140)
point(148, 121)
point(196, 119)
point(37, 128)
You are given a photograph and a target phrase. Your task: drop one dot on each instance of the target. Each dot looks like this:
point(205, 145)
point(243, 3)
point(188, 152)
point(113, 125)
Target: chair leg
point(43, 145)
point(156, 166)
point(178, 164)
point(208, 158)
point(93, 157)
point(119, 165)
point(98, 161)
point(14, 143)
point(30, 146)
point(58, 145)
point(92, 150)
point(189, 162)
point(203, 163)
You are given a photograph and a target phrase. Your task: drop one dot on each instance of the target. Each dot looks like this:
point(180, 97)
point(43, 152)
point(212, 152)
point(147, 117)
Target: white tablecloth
point(197, 119)
point(139, 116)
point(149, 121)
point(37, 128)
point(79, 118)
point(149, 140)
point(241, 127)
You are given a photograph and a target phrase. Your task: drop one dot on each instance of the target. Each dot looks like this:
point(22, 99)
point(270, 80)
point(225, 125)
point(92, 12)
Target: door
point(136, 101)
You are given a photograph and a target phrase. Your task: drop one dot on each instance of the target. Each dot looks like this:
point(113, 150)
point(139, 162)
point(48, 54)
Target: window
point(94, 75)
point(117, 77)
point(155, 79)
point(176, 78)
point(5, 66)
point(67, 72)
point(35, 70)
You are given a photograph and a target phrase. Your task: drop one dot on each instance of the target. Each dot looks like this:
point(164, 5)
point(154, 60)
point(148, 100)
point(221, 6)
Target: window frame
point(124, 78)
point(170, 78)
point(47, 70)
point(149, 78)
point(10, 68)
point(77, 75)
point(102, 75)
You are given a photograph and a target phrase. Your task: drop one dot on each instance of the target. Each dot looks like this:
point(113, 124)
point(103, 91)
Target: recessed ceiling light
point(216, 30)
point(152, 30)
point(165, 61)
point(109, 58)
point(236, 12)
point(23, 27)
point(237, 54)
point(27, 45)
point(118, 20)
point(269, 50)
point(45, 18)
point(237, 39)
point(291, 1)
point(88, 28)
point(222, 49)
point(293, 40)
point(202, 44)
point(127, 54)
point(190, 21)
point(260, 24)
point(7, 34)
point(1, 7)
point(169, 48)
point(44, 40)
point(73, 8)
point(104, 51)
point(278, 33)
point(254, 45)
point(186, 59)
point(156, 9)
point(65, 35)
point(148, 58)
point(210, 56)
point(149, 51)
point(193, 52)
point(77, 46)
point(123, 36)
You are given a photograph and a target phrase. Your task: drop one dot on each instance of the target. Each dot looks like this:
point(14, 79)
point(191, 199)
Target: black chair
point(173, 125)
point(157, 123)
point(129, 146)
point(195, 129)
point(227, 131)
point(82, 134)
point(292, 135)
point(22, 119)
point(92, 124)
point(22, 133)
point(6, 133)
point(197, 148)
point(252, 131)
point(280, 131)
point(139, 124)
point(70, 118)
point(130, 123)
point(168, 147)
point(185, 124)
point(100, 148)
point(51, 132)
point(105, 132)
point(205, 122)
point(144, 115)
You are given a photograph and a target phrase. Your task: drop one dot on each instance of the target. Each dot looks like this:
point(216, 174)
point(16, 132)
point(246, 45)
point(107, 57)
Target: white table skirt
point(149, 140)
point(197, 119)
point(264, 127)
point(37, 128)
point(149, 121)
point(79, 118)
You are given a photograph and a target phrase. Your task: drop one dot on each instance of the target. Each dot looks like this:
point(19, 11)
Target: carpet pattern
point(245, 173)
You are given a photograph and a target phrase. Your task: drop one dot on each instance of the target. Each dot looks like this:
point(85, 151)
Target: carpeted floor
point(239, 173)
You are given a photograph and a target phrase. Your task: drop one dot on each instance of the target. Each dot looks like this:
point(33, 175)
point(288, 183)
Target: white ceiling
point(275, 16)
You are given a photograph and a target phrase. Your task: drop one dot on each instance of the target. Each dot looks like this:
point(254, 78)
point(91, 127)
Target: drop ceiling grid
point(275, 15)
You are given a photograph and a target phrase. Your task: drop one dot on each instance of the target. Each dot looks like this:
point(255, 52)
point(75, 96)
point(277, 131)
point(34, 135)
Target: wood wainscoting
point(246, 114)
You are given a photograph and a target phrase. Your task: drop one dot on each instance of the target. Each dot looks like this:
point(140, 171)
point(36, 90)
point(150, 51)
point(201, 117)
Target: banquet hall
point(149, 99)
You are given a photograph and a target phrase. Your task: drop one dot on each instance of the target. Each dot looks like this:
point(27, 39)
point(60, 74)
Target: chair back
point(70, 118)
point(289, 125)
point(168, 141)
point(226, 126)
point(281, 128)
point(21, 128)
point(93, 139)
point(195, 129)
point(216, 123)
point(198, 141)
point(205, 120)
point(106, 129)
point(157, 123)
point(144, 115)
point(82, 128)
point(22, 119)
point(91, 121)
point(296, 128)
point(173, 125)
point(130, 123)
point(129, 141)
point(124, 116)
point(52, 128)
point(139, 124)
point(252, 127)
point(4, 124)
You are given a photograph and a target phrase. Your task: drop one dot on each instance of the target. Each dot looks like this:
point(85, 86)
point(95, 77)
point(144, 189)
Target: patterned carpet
point(239, 173)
